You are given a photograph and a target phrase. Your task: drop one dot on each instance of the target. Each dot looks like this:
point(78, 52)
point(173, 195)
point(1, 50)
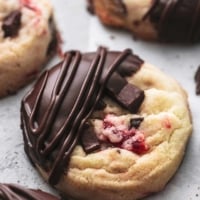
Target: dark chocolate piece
point(89, 140)
point(16, 192)
point(176, 20)
point(197, 81)
point(11, 24)
point(131, 97)
point(116, 84)
point(135, 122)
point(130, 66)
point(54, 113)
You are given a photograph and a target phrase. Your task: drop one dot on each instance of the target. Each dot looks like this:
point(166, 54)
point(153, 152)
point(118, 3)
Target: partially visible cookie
point(27, 38)
point(106, 124)
point(17, 192)
point(164, 20)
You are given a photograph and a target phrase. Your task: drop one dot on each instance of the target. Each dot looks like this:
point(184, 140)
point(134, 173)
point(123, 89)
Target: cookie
point(106, 124)
point(14, 191)
point(163, 20)
point(27, 39)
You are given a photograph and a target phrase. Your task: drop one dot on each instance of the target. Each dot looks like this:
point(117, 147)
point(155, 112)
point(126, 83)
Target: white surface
point(82, 31)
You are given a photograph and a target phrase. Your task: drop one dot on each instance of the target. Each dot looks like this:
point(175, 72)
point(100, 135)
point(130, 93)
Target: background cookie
point(27, 38)
point(125, 145)
point(174, 21)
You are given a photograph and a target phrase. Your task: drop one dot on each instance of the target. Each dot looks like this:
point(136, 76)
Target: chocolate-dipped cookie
point(17, 192)
point(163, 20)
point(27, 40)
point(106, 124)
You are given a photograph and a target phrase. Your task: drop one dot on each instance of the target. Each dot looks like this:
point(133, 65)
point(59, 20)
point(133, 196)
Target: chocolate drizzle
point(16, 192)
point(55, 112)
point(176, 20)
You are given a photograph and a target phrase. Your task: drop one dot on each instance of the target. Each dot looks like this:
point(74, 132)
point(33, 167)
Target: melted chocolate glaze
point(54, 113)
point(176, 20)
point(16, 192)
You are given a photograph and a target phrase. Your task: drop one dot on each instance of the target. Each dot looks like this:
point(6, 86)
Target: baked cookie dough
point(27, 38)
point(164, 20)
point(106, 124)
point(17, 192)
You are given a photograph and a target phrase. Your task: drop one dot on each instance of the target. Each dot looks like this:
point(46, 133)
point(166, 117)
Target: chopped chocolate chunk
point(197, 80)
point(89, 140)
point(116, 83)
point(131, 97)
point(130, 66)
point(12, 23)
point(135, 122)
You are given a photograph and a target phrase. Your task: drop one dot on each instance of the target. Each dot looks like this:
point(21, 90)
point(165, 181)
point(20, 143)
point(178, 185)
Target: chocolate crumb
point(197, 80)
point(12, 23)
point(135, 122)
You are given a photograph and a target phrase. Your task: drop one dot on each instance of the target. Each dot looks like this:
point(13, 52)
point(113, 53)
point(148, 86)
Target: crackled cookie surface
point(165, 20)
point(17, 192)
point(27, 37)
point(106, 124)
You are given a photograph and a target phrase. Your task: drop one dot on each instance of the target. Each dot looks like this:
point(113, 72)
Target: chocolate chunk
point(116, 83)
point(131, 97)
point(12, 23)
point(197, 80)
point(130, 66)
point(89, 140)
point(135, 122)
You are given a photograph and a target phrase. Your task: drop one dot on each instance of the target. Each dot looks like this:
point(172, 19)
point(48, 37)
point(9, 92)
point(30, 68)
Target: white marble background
point(82, 31)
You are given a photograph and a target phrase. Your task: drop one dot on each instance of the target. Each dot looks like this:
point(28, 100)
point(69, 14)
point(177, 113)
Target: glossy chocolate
point(16, 192)
point(12, 23)
point(176, 20)
point(55, 112)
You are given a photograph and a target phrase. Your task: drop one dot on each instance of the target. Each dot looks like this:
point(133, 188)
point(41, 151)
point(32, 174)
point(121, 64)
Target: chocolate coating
point(176, 20)
point(16, 192)
point(55, 112)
